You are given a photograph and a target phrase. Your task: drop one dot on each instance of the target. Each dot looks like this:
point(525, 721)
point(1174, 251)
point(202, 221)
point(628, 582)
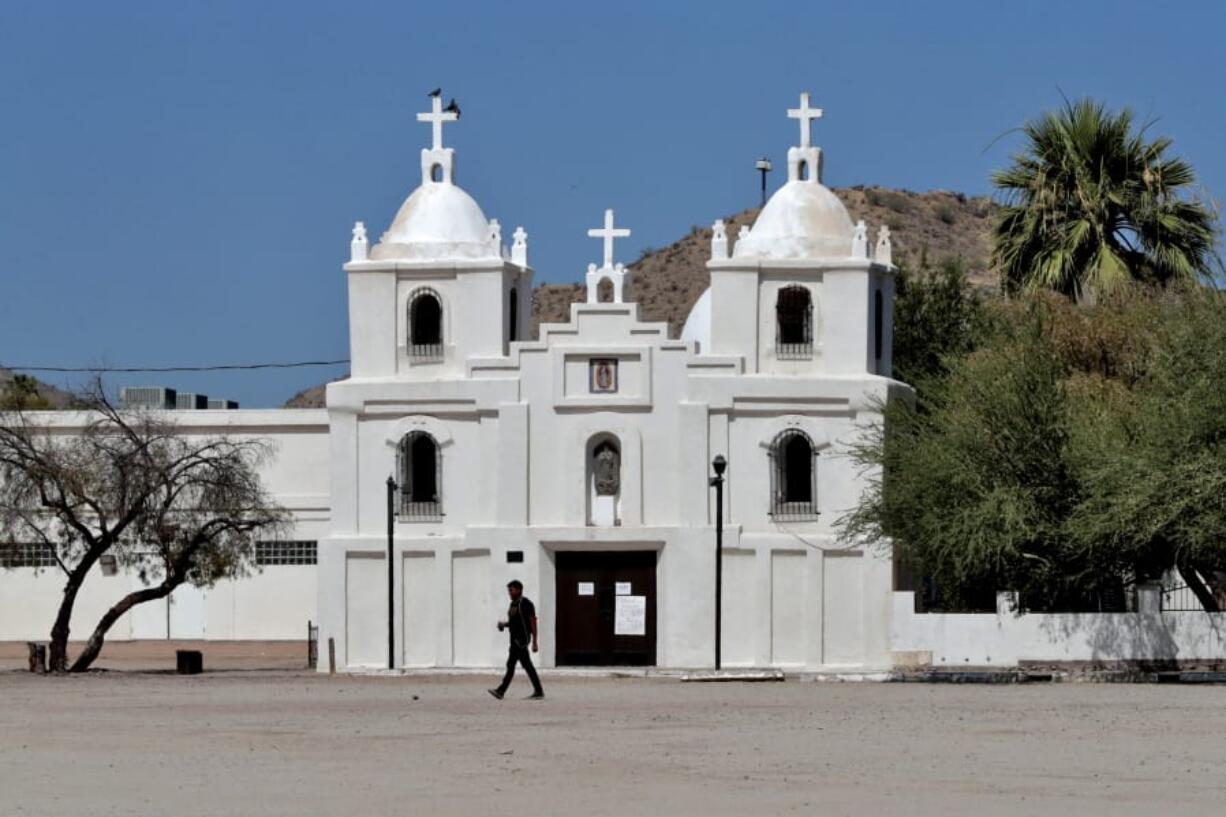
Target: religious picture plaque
point(602, 375)
point(630, 616)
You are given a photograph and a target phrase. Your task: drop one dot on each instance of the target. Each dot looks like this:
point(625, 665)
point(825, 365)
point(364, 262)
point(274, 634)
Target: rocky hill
point(56, 398)
point(666, 283)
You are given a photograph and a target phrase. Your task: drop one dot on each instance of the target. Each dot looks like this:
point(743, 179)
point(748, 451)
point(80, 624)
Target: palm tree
point(1089, 205)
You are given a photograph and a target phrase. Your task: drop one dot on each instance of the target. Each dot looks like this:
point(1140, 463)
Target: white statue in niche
point(607, 470)
point(604, 486)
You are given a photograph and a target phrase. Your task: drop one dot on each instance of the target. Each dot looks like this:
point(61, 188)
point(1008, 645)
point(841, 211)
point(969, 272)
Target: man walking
point(521, 621)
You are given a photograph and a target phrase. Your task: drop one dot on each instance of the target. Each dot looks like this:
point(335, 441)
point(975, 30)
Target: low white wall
point(1004, 638)
point(273, 603)
point(30, 599)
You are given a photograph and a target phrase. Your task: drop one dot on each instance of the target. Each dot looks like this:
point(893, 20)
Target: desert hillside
point(669, 280)
point(58, 398)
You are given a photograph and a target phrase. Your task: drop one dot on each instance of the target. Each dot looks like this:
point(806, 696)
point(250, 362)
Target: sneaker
point(536, 696)
point(496, 693)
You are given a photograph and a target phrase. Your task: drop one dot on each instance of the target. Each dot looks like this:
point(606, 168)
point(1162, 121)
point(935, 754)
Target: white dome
point(802, 220)
point(438, 221)
point(698, 324)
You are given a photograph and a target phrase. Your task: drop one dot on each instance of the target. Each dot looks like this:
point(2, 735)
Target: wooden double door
point(606, 608)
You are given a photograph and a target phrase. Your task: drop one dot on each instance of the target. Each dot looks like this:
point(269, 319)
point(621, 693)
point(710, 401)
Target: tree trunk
point(1203, 594)
point(94, 646)
point(57, 653)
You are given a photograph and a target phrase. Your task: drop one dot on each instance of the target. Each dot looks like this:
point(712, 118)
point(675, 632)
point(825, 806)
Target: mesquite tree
point(131, 485)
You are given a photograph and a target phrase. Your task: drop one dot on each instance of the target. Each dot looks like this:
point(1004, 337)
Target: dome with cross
point(438, 221)
point(803, 219)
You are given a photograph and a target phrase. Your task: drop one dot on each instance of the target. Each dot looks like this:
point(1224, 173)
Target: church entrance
point(606, 608)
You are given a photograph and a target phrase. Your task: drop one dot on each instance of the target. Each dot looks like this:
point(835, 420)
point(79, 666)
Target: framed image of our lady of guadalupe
point(602, 375)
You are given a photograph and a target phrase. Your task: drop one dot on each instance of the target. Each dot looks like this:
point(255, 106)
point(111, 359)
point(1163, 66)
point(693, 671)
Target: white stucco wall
point(1005, 638)
point(274, 602)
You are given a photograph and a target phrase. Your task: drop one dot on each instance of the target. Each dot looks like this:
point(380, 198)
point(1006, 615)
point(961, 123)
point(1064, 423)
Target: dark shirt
point(519, 618)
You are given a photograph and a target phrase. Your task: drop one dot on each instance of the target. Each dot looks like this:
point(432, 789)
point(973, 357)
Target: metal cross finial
point(608, 233)
point(436, 118)
point(806, 115)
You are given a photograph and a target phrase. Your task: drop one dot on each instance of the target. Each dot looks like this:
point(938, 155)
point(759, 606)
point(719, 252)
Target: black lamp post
point(720, 465)
point(391, 536)
point(763, 166)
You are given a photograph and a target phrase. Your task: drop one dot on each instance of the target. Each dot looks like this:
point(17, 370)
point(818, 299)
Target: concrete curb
point(718, 676)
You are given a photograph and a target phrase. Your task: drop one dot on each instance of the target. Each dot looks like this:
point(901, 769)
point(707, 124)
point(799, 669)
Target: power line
point(219, 368)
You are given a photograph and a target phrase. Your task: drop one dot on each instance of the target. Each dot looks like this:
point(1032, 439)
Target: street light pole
point(391, 535)
point(763, 166)
point(717, 481)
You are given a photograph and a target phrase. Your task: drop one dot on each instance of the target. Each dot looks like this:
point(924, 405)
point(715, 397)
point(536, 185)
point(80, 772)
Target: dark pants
point(521, 655)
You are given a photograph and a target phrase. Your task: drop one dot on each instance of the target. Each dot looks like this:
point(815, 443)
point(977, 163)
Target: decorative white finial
point(519, 247)
point(884, 253)
point(719, 241)
point(436, 118)
point(357, 247)
point(806, 115)
point(608, 233)
point(859, 241)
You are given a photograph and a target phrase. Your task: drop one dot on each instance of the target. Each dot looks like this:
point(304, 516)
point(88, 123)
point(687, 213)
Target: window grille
point(425, 326)
point(793, 477)
point(26, 554)
point(420, 466)
point(286, 552)
point(794, 324)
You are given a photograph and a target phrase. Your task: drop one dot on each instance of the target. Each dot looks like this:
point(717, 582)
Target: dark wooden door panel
point(585, 624)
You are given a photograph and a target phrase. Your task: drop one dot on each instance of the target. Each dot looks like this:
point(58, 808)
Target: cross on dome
point(608, 233)
point(805, 115)
point(436, 118)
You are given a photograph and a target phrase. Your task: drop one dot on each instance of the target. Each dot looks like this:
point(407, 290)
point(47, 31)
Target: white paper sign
point(623, 589)
point(630, 616)
point(587, 588)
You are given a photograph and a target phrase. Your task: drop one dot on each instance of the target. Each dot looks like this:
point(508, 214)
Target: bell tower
point(439, 287)
point(799, 293)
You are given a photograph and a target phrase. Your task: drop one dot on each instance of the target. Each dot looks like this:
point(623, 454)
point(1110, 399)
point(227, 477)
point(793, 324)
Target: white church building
point(577, 461)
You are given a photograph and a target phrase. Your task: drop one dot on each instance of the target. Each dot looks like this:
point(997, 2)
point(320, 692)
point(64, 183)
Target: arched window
point(802, 171)
point(421, 477)
point(794, 323)
point(436, 173)
point(513, 316)
point(425, 326)
point(793, 477)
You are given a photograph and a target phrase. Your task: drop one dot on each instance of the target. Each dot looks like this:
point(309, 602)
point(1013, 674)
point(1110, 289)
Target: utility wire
point(220, 368)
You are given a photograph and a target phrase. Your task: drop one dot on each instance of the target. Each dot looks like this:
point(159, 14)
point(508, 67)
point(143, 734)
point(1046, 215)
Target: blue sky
point(178, 180)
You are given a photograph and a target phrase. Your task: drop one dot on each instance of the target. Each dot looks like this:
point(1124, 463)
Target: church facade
point(579, 461)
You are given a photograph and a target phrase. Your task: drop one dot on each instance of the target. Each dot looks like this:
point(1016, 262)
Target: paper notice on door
point(624, 589)
point(630, 616)
point(587, 588)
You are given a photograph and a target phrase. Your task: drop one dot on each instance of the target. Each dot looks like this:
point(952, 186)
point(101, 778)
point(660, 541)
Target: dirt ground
point(289, 743)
